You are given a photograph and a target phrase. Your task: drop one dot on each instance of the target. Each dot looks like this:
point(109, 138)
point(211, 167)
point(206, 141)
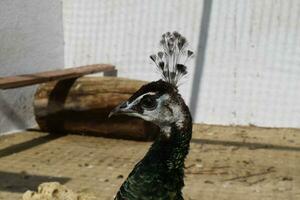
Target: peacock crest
point(171, 61)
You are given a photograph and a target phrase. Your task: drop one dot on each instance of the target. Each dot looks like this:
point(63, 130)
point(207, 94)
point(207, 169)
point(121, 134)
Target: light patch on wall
point(31, 37)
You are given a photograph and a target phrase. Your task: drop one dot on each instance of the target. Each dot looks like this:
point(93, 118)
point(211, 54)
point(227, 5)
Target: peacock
point(160, 174)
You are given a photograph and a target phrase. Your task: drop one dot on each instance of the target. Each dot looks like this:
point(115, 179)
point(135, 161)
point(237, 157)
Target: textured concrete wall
point(247, 63)
point(31, 38)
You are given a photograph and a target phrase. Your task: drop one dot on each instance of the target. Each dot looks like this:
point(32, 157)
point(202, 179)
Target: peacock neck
point(171, 151)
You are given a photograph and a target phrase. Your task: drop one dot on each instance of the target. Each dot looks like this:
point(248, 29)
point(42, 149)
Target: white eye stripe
point(149, 93)
point(137, 100)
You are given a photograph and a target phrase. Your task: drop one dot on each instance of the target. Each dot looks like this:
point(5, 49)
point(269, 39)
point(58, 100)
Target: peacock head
point(159, 102)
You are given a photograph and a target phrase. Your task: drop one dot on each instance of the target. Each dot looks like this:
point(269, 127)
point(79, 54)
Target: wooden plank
point(42, 77)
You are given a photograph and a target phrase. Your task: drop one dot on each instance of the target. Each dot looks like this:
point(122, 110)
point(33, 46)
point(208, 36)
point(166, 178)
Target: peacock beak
point(123, 108)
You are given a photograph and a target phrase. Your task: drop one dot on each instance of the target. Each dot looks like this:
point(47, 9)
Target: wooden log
point(82, 106)
point(60, 74)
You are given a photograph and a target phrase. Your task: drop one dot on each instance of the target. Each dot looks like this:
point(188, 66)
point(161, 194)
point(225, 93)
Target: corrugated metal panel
point(248, 66)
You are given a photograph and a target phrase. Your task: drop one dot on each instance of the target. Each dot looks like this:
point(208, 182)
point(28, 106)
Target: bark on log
point(82, 105)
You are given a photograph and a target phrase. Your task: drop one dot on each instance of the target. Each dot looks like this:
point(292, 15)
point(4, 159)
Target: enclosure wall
point(31, 38)
point(247, 68)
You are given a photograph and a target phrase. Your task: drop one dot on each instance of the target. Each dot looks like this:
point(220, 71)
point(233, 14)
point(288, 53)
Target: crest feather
point(171, 61)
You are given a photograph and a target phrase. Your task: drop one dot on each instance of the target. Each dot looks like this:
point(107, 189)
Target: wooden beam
point(42, 77)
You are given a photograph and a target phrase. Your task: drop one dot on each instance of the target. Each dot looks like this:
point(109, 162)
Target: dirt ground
point(232, 163)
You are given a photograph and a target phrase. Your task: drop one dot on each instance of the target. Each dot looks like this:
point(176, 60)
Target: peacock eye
point(149, 103)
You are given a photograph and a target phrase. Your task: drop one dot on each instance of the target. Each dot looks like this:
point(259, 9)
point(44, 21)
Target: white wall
point(247, 64)
point(31, 40)
point(252, 65)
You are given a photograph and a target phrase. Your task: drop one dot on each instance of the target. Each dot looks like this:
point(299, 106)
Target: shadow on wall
point(201, 52)
point(10, 114)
